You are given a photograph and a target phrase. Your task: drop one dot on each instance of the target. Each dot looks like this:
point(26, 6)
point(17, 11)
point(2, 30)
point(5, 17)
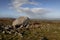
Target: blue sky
point(41, 9)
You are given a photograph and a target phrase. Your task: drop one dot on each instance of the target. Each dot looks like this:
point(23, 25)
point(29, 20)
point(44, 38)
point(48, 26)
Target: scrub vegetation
point(37, 30)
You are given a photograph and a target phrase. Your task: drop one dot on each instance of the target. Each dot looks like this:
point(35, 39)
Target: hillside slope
point(36, 30)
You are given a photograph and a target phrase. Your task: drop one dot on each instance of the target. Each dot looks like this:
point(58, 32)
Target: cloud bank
point(31, 12)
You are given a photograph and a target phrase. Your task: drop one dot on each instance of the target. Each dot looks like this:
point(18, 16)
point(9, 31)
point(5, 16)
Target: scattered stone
point(3, 32)
point(20, 34)
point(9, 32)
point(6, 28)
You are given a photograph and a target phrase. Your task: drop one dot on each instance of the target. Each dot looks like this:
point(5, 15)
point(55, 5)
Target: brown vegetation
point(35, 31)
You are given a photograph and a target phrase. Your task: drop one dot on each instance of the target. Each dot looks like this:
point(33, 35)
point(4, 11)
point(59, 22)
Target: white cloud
point(19, 3)
point(29, 11)
point(33, 10)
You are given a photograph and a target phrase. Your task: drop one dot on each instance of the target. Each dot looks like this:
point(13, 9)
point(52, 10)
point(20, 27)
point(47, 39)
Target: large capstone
point(20, 22)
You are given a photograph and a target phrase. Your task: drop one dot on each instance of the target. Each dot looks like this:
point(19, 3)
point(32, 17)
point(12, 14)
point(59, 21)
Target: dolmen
point(20, 22)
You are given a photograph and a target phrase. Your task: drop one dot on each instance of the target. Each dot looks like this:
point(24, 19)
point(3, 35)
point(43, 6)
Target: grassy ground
point(36, 30)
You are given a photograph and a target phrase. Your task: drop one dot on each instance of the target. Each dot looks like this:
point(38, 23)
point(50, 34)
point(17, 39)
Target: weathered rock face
point(21, 22)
